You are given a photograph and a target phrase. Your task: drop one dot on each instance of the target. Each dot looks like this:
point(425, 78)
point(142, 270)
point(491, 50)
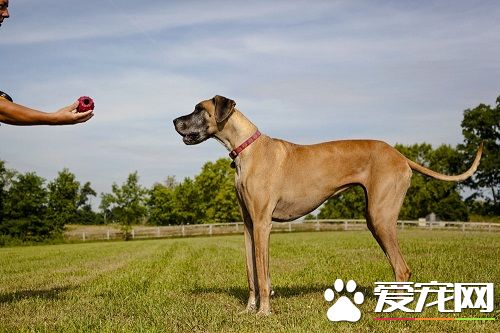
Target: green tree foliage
point(173, 203)
point(6, 176)
point(25, 208)
point(425, 194)
point(3, 183)
point(85, 214)
point(209, 198)
point(215, 184)
point(349, 204)
point(69, 202)
point(27, 197)
point(126, 204)
point(29, 211)
point(482, 124)
point(86, 191)
point(161, 203)
point(63, 199)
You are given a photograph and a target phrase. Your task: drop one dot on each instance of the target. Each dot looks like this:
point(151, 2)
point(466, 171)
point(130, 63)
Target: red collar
point(245, 144)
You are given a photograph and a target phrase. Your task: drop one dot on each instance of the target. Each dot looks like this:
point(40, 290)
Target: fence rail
point(143, 232)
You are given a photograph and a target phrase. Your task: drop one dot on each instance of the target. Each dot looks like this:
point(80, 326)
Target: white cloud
point(112, 18)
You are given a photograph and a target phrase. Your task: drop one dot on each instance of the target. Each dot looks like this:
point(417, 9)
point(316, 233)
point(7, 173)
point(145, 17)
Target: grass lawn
point(199, 284)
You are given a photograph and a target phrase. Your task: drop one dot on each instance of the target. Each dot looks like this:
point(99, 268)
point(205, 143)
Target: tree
point(426, 194)
point(25, 208)
point(26, 197)
point(85, 214)
point(126, 203)
point(349, 204)
point(209, 198)
point(162, 203)
point(176, 204)
point(6, 176)
point(482, 124)
point(86, 191)
point(63, 199)
point(3, 182)
point(215, 185)
point(69, 201)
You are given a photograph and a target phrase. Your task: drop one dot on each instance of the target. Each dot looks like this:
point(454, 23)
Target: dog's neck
point(237, 130)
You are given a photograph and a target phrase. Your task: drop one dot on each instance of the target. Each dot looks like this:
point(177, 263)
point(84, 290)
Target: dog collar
point(233, 154)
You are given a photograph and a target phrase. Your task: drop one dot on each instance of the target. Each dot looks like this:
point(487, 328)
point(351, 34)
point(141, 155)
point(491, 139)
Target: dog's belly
point(285, 216)
point(288, 210)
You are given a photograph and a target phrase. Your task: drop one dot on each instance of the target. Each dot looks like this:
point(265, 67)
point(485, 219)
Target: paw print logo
point(344, 309)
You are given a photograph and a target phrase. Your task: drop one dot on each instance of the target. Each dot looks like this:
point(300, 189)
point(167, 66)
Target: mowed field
point(199, 284)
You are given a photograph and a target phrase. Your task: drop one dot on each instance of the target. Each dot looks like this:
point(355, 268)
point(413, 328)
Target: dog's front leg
point(262, 229)
point(251, 268)
point(250, 257)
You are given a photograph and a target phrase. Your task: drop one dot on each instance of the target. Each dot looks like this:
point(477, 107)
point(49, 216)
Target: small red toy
point(85, 103)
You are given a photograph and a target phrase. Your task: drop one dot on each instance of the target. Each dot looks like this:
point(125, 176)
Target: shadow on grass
point(45, 294)
point(241, 293)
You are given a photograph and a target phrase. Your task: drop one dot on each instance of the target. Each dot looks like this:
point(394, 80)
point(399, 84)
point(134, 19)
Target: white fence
point(143, 232)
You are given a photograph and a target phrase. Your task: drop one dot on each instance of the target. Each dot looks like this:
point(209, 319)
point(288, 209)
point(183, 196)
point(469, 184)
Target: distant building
point(432, 218)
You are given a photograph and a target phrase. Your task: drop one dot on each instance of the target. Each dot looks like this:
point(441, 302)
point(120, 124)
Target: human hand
point(68, 115)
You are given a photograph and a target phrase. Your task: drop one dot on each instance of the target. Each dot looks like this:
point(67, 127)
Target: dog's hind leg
point(384, 200)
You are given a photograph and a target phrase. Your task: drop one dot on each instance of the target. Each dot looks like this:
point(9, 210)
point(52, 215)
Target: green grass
point(199, 284)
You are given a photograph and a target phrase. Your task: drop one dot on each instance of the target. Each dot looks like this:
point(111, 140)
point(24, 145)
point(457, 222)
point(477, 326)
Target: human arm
point(15, 114)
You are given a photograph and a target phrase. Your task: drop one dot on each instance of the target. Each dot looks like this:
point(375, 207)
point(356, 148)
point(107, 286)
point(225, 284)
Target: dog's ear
point(223, 108)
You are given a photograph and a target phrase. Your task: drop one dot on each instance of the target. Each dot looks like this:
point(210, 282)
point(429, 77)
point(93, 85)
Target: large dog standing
point(281, 181)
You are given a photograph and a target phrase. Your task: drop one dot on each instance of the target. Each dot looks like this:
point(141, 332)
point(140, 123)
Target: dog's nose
point(179, 124)
point(176, 122)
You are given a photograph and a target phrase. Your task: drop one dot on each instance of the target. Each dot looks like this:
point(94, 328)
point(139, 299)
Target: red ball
point(85, 103)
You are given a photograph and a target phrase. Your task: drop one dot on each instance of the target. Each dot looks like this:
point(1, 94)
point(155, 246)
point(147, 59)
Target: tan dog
point(281, 181)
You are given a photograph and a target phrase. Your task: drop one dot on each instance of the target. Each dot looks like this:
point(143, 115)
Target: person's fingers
point(69, 115)
point(71, 107)
point(82, 117)
point(83, 114)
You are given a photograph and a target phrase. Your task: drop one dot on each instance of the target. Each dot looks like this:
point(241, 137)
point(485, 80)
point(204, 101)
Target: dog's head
point(207, 119)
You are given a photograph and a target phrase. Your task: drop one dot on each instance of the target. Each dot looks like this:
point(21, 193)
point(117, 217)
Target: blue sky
point(304, 71)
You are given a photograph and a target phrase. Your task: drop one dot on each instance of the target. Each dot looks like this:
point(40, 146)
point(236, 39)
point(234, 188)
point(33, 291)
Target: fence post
point(489, 227)
point(133, 233)
point(183, 233)
point(345, 225)
point(210, 229)
point(83, 236)
point(402, 225)
point(463, 226)
point(289, 226)
point(236, 227)
point(317, 225)
point(107, 235)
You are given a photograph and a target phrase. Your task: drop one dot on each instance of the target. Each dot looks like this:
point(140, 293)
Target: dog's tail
point(419, 168)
